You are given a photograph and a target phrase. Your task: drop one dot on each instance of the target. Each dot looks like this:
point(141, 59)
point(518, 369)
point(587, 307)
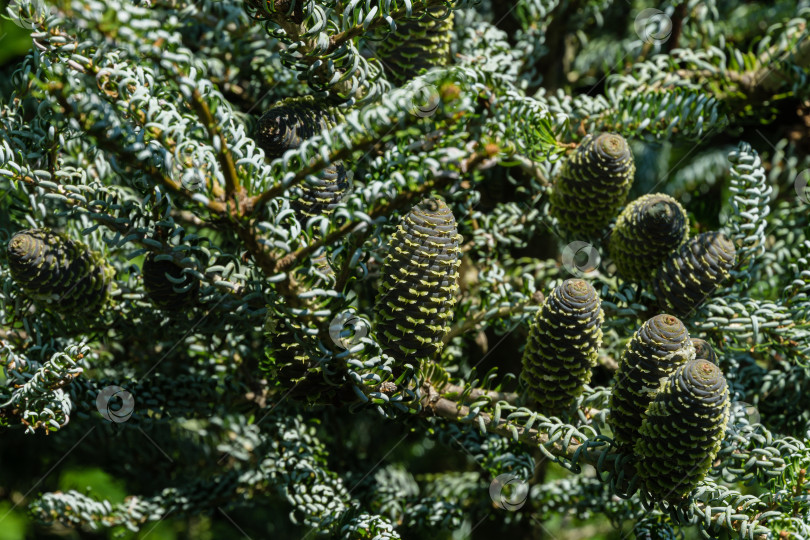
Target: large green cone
point(655, 351)
point(692, 274)
point(593, 185)
point(682, 431)
point(287, 358)
point(419, 283)
point(563, 344)
point(416, 46)
point(284, 127)
point(647, 231)
point(57, 271)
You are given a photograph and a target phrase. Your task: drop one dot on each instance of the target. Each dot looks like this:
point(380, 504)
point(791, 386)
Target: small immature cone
point(420, 279)
point(291, 121)
point(647, 231)
point(284, 127)
point(689, 276)
point(56, 270)
point(682, 431)
point(319, 196)
point(416, 46)
point(286, 359)
point(655, 351)
point(563, 344)
point(166, 285)
point(593, 185)
point(704, 351)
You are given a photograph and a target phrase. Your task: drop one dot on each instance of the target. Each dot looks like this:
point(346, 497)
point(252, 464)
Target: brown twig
point(199, 105)
point(449, 390)
point(435, 405)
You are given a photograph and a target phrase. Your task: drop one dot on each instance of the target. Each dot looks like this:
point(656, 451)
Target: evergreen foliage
point(406, 269)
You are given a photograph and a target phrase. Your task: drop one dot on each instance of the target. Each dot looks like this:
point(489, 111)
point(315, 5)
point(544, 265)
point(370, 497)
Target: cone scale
point(290, 122)
point(416, 46)
point(593, 185)
point(692, 274)
point(320, 195)
point(166, 285)
point(704, 351)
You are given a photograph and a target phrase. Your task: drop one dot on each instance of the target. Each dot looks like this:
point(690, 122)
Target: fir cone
point(416, 46)
point(59, 271)
point(419, 282)
point(320, 196)
point(593, 185)
point(655, 351)
point(166, 285)
point(704, 351)
point(692, 274)
point(563, 344)
point(647, 232)
point(682, 430)
point(290, 122)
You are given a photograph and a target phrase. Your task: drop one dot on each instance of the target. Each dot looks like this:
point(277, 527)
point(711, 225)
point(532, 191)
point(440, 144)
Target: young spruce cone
point(593, 185)
point(564, 340)
point(692, 274)
point(682, 430)
point(64, 273)
point(166, 285)
point(420, 279)
point(287, 358)
point(284, 127)
point(291, 121)
point(704, 351)
point(319, 196)
point(416, 46)
point(646, 232)
point(655, 351)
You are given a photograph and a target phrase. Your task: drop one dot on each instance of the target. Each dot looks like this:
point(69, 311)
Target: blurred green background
point(14, 41)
